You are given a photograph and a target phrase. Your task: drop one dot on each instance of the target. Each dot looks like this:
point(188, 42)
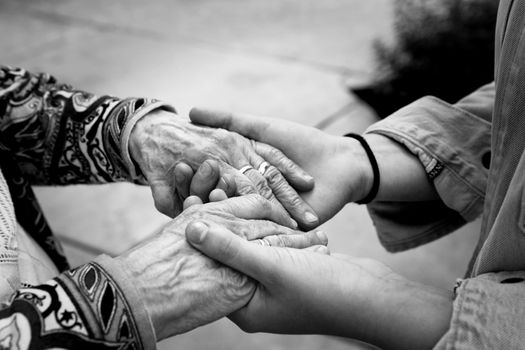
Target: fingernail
point(179, 177)
point(294, 223)
point(311, 217)
point(197, 231)
point(322, 236)
point(206, 169)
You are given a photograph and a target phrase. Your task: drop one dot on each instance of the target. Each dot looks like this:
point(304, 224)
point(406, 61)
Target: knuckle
point(246, 190)
point(245, 231)
point(275, 154)
point(274, 176)
point(264, 190)
point(266, 205)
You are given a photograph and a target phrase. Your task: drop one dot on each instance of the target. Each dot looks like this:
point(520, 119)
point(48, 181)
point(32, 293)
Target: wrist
point(150, 269)
point(359, 174)
point(136, 131)
point(145, 128)
point(424, 308)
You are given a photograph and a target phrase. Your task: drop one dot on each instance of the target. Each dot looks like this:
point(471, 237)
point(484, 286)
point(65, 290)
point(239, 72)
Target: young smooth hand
point(311, 292)
point(339, 165)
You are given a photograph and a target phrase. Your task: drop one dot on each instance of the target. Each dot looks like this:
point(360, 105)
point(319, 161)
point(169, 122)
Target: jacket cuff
point(450, 144)
point(133, 299)
point(147, 107)
point(487, 313)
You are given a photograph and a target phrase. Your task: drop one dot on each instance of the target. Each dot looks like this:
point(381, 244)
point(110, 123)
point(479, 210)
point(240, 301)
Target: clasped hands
point(204, 264)
point(186, 164)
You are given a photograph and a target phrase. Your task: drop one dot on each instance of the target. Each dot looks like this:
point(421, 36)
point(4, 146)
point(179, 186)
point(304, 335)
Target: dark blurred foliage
point(443, 48)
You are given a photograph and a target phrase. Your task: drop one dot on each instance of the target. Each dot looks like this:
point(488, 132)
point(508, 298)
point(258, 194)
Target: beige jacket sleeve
point(453, 144)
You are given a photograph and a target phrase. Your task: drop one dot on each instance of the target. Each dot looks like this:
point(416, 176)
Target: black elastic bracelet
point(375, 168)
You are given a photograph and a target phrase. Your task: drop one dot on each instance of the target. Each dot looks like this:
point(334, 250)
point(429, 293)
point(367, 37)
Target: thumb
point(164, 199)
point(219, 243)
point(246, 125)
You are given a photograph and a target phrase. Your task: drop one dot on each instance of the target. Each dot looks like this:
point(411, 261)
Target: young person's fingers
point(219, 243)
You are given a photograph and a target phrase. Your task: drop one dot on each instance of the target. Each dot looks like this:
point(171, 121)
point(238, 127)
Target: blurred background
point(313, 62)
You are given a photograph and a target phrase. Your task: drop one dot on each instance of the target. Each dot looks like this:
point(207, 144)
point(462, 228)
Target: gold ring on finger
point(264, 242)
point(263, 167)
point(245, 168)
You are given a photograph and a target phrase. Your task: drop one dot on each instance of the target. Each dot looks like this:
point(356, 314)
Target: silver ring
point(263, 167)
point(245, 168)
point(264, 242)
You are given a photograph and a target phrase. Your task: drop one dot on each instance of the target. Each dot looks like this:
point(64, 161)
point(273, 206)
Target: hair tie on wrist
point(375, 168)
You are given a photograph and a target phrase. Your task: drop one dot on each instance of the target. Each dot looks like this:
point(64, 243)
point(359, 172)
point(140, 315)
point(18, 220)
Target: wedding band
point(264, 242)
point(245, 168)
point(263, 167)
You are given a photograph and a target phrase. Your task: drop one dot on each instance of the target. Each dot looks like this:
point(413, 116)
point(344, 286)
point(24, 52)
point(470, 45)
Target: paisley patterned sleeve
point(81, 309)
point(60, 135)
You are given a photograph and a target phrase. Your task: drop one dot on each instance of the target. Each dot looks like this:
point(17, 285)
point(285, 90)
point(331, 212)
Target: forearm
point(60, 135)
point(402, 176)
point(402, 314)
point(387, 310)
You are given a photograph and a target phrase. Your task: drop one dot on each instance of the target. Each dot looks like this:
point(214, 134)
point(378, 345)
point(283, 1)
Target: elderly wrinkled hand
point(162, 142)
point(181, 288)
point(339, 165)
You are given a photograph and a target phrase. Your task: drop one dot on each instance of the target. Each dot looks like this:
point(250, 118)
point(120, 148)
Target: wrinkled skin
point(181, 288)
point(339, 165)
point(162, 141)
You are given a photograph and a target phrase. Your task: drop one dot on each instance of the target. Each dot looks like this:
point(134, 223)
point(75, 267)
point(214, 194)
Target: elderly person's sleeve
point(61, 135)
point(94, 306)
point(453, 144)
point(488, 313)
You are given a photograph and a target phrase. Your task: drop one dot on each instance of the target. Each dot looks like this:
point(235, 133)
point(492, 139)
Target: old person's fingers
point(165, 198)
point(321, 249)
point(227, 184)
point(296, 176)
point(290, 199)
point(222, 245)
point(256, 128)
point(254, 206)
point(299, 240)
point(260, 183)
point(258, 229)
point(183, 174)
point(264, 189)
point(205, 179)
point(218, 195)
point(191, 201)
